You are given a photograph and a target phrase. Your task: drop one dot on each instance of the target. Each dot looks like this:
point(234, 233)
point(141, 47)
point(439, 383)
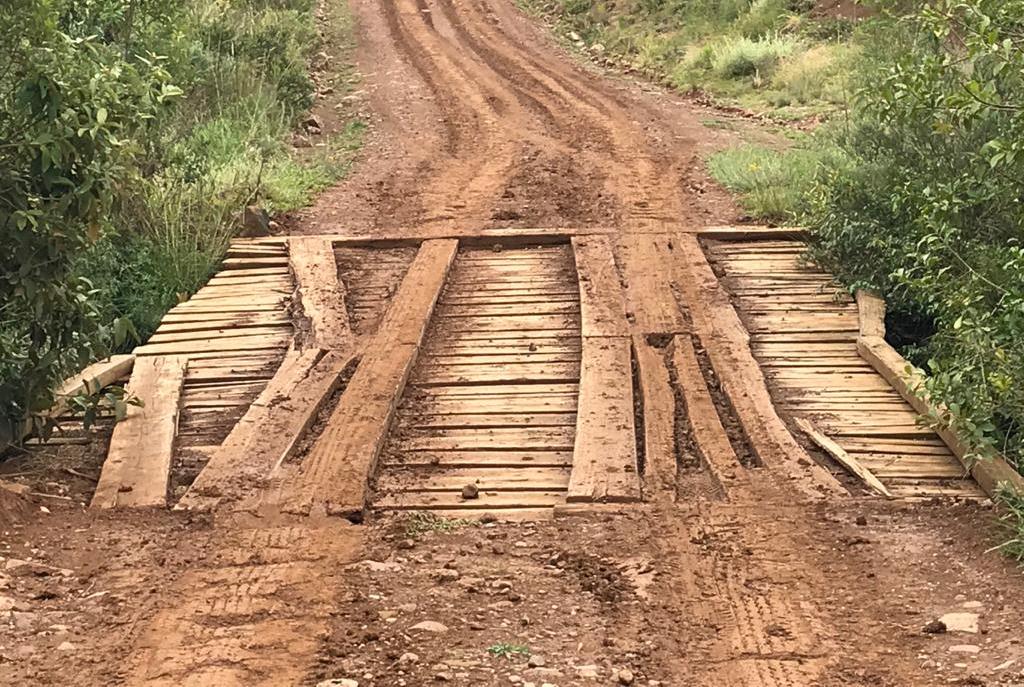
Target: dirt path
point(484, 120)
point(746, 564)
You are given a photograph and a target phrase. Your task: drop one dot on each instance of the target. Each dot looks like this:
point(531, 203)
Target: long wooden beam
point(269, 432)
point(335, 476)
point(728, 344)
point(605, 466)
point(138, 465)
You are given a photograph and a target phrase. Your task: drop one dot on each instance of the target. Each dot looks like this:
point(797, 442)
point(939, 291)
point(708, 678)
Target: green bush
point(127, 150)
point(928, 208)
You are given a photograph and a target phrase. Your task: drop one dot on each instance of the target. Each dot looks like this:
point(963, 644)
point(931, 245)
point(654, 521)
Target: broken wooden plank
point(602, 305)
point(604, 452)
point(728, 345)
point(270, 430)
point(335, 476)
point(871, 313)
point(138, 463)
point(841, 456)
point(709, 435)
point(321, 292)
point(659, 408)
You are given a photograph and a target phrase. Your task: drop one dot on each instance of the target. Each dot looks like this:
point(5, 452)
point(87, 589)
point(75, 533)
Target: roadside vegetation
point(911, 180)
point(132, 136)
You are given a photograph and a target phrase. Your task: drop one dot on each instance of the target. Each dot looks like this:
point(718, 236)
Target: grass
point(423, 522)
point(509, 651)
point(770, 183)
point(1013, 520)
point(770, 56)
point(224, 148)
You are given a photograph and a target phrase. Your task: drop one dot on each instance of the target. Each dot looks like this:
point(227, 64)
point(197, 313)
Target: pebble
point(624, 676)
point(965, 649)
point(536, 662)
point(430, 626)
point(586, 671)
point(960, 622)
point(408, 657)
point(66, 646)
point(338, 682)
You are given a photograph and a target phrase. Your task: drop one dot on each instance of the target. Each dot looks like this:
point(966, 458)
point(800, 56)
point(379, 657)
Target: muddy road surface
point(726, 553)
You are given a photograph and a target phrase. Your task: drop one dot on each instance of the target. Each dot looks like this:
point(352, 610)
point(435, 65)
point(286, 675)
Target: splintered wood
point(487, 422)
point(804, 332)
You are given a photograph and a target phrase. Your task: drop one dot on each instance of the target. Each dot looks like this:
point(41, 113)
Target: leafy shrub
point(928, 210)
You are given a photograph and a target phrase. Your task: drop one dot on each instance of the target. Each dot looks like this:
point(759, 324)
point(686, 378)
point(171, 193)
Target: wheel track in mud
point(520, 135)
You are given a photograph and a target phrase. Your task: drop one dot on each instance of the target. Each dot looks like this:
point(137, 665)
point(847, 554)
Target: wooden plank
point(602, 306)
point(604, 452)
point(841, 456)
point(751, 233)
point(269, 432)
point(871, 312)
point(486, 500)
point(138, 464)
point(241, 343)
point(645, 261)
point(508, 458)
point(659, 409)
point(335, 476)
point(716, 451)
point(741, 377)
point(489, 420)
point(992, 470)
point(321, 293)
point(526, 478)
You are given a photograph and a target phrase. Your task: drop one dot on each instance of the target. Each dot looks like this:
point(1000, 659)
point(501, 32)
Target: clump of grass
point(422, 522)
point(771, 183)
point(1013, 520)
point(509, 651)
point(733, 58)
point(814, 75)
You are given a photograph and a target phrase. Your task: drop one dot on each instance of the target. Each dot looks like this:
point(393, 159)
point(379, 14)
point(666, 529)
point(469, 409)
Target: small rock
point(66, 646)
point(935, 627)
point(965, 649)
point(960, 622)
point(255, 221)
point(429, 626)
point(536, 662)
point(443, 677)
point(408, 657)
point(446, 575)
point(573, 36)
point(406, 544)
point(338, 682)
point(862, 521)
point(589, 672)
point(625, 676)
point(470, 491)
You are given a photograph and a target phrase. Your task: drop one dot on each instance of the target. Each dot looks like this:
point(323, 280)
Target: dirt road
point(482, 119)
point(747, 565)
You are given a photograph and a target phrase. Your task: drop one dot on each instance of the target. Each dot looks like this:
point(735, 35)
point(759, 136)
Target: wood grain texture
point(138, 463)
point(335, 475)
point(321, 293)
point(604, 453)
point(602, 305)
